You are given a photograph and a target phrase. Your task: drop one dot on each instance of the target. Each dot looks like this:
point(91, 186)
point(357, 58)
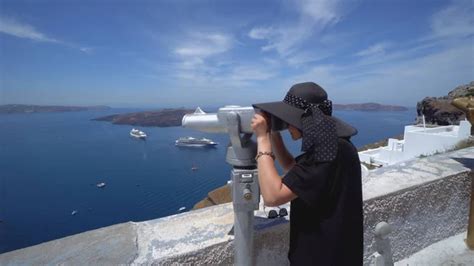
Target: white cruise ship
point(194, 142)
point(137, 133)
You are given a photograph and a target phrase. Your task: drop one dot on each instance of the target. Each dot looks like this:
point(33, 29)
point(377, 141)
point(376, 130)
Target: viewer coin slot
point(246, 178)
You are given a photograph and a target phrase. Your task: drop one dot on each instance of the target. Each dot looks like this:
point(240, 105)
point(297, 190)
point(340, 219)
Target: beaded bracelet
point(261, 153)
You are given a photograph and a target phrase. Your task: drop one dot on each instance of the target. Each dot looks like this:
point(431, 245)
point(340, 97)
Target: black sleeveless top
point(326, 223)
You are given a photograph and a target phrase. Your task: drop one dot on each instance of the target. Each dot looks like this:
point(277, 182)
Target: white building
point(418, 141)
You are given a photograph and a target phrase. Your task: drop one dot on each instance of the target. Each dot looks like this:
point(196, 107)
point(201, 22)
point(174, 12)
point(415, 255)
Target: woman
point(323, 184)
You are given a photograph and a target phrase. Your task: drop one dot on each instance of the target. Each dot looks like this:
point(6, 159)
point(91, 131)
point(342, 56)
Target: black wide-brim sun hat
point(311, 93)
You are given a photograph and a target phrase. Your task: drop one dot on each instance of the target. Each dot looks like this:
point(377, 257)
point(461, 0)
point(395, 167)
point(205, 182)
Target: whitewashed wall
point(418, 142)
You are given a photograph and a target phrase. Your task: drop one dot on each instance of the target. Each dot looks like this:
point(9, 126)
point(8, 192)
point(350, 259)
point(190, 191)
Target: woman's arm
point(273, 190)
point(283, 156)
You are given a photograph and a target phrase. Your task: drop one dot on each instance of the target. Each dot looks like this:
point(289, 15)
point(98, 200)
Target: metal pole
point(470, 225)
point(243, 238)
point(245, 199)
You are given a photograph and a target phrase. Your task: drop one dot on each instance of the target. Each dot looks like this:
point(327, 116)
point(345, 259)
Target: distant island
point(25, 108)
point(159, 118)
point(369, 107)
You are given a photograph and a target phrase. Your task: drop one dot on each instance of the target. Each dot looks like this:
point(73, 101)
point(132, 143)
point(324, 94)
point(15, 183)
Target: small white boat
point(137, 133)
point(74, 212)
point(100, 185)
point(182, 209)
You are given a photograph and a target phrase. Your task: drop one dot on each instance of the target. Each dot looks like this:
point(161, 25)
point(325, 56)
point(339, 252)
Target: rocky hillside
point(438, 110)
point(218, 196)
point(161, 118)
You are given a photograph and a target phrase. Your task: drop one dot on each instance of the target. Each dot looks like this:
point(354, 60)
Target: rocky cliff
point(217, 196)
point(438, 110)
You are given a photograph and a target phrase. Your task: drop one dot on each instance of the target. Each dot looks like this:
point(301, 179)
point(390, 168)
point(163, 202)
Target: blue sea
point(50, 164)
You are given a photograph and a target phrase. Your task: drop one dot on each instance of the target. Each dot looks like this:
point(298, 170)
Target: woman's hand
point(260, 124)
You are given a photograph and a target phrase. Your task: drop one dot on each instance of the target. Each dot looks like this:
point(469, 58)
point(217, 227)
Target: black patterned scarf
point(319, 130)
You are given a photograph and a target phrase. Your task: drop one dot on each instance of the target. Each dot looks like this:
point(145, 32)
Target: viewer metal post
point(235, 121)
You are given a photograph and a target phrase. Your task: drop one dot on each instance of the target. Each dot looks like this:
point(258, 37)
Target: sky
point(210, 53)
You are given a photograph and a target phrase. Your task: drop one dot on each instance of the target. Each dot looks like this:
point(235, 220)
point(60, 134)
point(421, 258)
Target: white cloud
point(320, 11)
point(376, 49)
point(216, 74)
point(324, 75)
point(403, 73)
point(12, 27)
point(21, 30)
point(398, 53)
point(456, 20)
point(415, 78)
point(402, 81)
point(305, 57)
point(450, 25)
point(191, 63)
point(251, 73)
point(203, 45)
point(199, 59)
point(261, 33)
point(232, 76)
point(87, 50)
point(312, 17)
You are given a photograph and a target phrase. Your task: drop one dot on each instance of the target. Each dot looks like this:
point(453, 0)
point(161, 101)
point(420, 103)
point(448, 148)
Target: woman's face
point(294, 132)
